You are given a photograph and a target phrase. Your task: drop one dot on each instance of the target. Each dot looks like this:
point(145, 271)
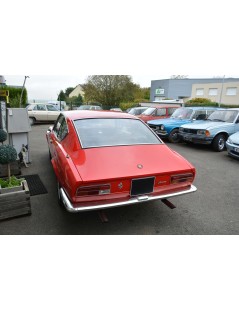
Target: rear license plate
point(142, 186)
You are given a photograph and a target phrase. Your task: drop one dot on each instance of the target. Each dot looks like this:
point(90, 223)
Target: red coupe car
point(161, 111)
point(109, 159)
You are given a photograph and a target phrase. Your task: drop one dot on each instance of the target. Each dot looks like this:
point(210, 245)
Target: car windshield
point(149, 111)
point(84, 107)
point(113, 132)
point(223, 116)
point(182, 113)
point(137, 111)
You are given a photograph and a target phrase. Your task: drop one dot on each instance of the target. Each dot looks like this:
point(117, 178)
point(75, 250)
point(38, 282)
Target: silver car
point(42, 113)
point(232, 145)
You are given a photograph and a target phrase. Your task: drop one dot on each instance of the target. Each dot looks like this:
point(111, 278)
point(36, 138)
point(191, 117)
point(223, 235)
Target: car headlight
point(162, 127)
point(229, 140)
point(203, 132)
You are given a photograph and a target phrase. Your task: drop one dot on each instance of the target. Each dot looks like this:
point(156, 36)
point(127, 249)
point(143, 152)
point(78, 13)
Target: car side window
point(63, 130)
point(51, 108)
point(41, 108)
point(60, 129)
point(161, 112)
point(57, 125)
point(200, 115)
point(171, 111)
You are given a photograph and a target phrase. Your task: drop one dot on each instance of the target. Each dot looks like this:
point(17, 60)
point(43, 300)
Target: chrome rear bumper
point(131, 201)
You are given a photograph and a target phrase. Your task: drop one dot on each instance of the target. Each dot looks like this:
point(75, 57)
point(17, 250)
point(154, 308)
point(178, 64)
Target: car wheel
point(32, 120)
point(174, 137)
point(50, 155)
point(219, 143)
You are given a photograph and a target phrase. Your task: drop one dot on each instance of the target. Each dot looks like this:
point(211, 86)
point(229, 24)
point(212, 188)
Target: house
point(77, 91)
point(223, 90)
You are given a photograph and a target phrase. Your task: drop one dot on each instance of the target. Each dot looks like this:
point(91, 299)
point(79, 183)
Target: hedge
point(14, 96)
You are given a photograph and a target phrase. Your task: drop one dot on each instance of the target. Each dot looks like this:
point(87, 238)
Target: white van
point(58, 104)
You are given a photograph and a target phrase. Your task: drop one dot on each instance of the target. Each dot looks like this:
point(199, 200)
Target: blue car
point(232, 145)
point(169, 128)
point(214, 131)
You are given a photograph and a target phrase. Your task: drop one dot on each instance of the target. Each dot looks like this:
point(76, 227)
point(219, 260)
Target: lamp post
point(220, 99)
point(26, 76)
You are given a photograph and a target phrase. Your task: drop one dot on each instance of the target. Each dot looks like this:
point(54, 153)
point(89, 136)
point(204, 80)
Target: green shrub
point(14, 96)
point(13, 181)
point(127, 105)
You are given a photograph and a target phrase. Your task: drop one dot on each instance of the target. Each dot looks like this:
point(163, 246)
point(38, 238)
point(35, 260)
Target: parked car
point(169, 128)
point(109, 159)
point(90, 107)
point(232, 145)
point(137, 110)
point(116, 109)
point(42, 113)
point(162, 111)
point(214, 131)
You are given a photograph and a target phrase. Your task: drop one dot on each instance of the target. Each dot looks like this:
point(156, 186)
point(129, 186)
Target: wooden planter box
point(15, 201)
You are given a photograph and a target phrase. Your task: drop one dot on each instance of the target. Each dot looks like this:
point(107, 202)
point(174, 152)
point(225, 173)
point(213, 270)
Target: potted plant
point(14, 192)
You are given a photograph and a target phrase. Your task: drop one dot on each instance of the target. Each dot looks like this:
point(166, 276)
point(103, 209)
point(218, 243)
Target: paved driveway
point(213, 209)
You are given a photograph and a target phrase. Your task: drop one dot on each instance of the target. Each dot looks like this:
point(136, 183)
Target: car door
point(237, 124)
point(52, 113)
point(39, 112)
point(160, 113)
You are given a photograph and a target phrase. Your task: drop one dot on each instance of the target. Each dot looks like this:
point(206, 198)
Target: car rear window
point(113, 132)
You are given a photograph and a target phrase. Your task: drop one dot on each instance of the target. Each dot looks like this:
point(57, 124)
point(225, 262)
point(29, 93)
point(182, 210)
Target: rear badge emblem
point(120, 185)
point(140, 166)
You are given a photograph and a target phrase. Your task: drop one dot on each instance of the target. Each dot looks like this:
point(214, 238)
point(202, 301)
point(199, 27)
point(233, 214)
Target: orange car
point(162, 111)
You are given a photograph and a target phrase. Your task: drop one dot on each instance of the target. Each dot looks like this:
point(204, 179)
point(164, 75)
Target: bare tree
point(109, 89)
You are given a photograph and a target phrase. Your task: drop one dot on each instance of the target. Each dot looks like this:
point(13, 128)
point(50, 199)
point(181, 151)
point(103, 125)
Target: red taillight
point(181, 178)
point(93, 190)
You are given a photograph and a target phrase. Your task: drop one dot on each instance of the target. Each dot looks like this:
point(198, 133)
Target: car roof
point(204, 108)
point(166, 106)
point(84, 114)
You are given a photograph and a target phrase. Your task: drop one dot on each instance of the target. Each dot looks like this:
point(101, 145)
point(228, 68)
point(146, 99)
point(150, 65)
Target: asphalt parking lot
point(212, 210)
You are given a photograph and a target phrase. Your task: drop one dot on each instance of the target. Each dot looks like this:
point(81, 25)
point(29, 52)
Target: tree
point(68, 91)
point(61, 96)
point(76, 100)
point(8, 153)
point(109, 90)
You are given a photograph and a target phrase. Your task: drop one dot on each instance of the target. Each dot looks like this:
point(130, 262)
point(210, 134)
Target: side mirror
point(49, 130)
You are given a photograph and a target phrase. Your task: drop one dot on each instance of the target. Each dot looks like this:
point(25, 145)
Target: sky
point(149, 41)
point(47, 87)
point(58, 44)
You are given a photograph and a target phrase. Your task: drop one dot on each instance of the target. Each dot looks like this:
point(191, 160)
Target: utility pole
point(26, 76)
point(220, 99)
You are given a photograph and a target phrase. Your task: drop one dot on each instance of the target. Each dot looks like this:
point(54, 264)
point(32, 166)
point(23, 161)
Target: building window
point(231, 91)
point(212, 92)
point(199, 92)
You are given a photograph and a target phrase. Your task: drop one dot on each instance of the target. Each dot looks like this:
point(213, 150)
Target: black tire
point(219, 143)
point(50, 157)
point(32, 121)
point(174, 137)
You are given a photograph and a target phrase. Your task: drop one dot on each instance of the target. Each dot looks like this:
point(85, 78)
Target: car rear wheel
point(32, 120)
point(173, 136)
point(219, 143)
